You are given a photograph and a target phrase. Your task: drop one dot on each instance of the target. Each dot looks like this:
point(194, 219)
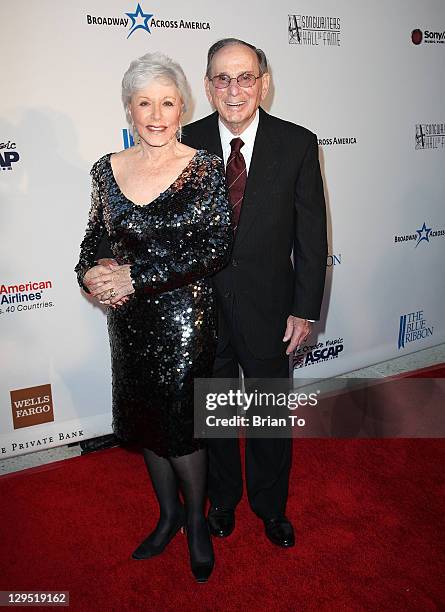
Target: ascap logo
point(32, 406)
point(307, 355)
point(8, 155)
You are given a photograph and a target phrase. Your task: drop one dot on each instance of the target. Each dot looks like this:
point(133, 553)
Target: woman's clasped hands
point(109, 282)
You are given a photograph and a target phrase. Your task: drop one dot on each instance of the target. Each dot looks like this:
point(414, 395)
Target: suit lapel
point(264, 166)
point(210, 139)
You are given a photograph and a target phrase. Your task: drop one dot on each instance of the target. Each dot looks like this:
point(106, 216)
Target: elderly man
point(267, 305)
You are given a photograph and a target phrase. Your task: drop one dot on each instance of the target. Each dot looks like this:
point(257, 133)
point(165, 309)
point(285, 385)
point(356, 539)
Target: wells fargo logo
point(32, 406)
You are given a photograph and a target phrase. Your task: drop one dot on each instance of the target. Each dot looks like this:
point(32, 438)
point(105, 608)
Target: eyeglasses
point(222, 81)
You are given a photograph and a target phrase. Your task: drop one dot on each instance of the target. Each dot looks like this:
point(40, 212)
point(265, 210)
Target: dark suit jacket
point(283, 210)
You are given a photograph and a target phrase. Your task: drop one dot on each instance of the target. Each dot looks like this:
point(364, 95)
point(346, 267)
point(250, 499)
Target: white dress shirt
point(248, 137)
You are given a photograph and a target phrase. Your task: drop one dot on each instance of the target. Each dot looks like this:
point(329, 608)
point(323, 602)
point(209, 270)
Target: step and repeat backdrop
point(367, 78)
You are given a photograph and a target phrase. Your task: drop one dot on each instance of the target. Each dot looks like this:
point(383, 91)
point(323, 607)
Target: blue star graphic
point(139, 19)
point(424, 233)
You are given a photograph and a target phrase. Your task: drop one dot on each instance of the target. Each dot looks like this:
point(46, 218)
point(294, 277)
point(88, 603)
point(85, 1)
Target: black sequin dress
point(165, 335)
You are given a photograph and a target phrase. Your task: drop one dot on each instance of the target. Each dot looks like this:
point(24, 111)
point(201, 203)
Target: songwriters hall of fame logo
point(313, 30)
point(430, 136)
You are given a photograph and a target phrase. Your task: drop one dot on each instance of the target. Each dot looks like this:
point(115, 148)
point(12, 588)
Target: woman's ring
point(112, 293)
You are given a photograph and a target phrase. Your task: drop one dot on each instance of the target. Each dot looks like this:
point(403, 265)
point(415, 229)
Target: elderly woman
point(165, 211)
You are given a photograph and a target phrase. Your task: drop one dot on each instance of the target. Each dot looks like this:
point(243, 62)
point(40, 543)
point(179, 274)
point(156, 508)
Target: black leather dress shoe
point(280, 531)
point(221, 521)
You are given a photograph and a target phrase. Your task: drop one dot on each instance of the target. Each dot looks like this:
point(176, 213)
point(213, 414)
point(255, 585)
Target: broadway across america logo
point(140, 20)
point(422, 235)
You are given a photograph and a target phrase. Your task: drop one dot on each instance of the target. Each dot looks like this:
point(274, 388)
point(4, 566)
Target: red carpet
point(369, 517)
point(437, 371)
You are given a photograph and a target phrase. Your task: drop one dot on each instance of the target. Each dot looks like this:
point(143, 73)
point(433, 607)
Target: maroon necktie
point(236, 177)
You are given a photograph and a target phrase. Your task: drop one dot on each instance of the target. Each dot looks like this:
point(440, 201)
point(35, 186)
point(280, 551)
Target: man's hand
point(297, 331)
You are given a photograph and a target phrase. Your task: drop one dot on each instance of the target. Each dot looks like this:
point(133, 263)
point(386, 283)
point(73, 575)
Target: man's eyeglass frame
point(237, 79)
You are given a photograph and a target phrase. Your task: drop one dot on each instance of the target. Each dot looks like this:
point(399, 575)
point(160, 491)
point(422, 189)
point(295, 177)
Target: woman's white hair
point(149, 67)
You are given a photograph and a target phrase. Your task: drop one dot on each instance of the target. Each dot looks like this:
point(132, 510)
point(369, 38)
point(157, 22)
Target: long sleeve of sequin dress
point(94, 232)
point(165, 335)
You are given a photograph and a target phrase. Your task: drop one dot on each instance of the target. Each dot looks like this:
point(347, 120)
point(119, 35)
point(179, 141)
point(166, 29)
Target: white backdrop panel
point(61, 109)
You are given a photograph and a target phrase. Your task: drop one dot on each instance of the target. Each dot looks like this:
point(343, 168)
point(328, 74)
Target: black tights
point(187, 474)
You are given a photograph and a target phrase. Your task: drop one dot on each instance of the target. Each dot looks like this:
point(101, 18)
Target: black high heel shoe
point(146, 549)
point(202, 570)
